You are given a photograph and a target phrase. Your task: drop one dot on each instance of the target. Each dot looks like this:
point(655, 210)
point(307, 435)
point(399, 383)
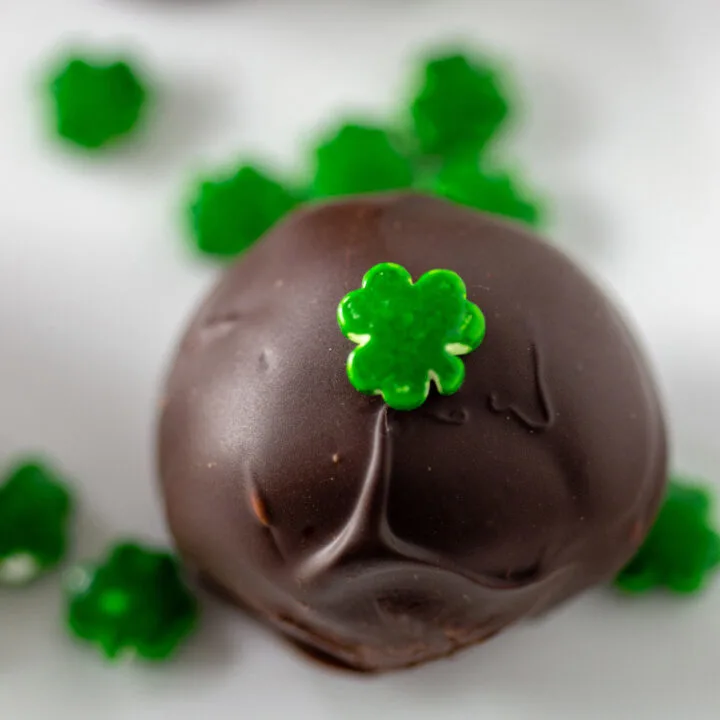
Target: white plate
point(95, 283)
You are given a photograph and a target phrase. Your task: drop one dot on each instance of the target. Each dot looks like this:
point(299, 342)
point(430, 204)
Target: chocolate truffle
point(384, 538)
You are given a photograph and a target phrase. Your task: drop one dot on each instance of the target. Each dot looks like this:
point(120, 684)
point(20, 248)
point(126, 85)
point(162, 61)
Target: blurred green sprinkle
point(459, 107)
point(356, 159)
point(682, 549)
point(35, 510)
point(464, 182)
point(230, 212)
point(133, 603)
point(94, 103)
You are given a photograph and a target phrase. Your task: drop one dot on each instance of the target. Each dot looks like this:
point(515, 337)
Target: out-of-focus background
point(620, 130)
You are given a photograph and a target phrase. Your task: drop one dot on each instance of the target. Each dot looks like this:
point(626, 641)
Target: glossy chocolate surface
point(386, 538)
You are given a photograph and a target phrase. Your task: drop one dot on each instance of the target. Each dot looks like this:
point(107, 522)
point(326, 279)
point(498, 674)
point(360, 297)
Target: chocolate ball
point(382, 538)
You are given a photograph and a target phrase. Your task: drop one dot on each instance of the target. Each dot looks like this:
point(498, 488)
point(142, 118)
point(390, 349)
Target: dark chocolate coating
point(385, 538)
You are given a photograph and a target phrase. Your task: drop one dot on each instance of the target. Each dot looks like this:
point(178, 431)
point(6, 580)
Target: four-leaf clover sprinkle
point(134, 603)
point(409, 335)
point(35, 507)
point(682, 548)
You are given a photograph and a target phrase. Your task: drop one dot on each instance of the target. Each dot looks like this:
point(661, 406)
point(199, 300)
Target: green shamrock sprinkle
point(95, 103)
point(498, 193)
point(359, 159)
point(459, 107)
point(682, 548)
point(133, 603)
point(409, 335)
point(35, 507)
point(229, 213)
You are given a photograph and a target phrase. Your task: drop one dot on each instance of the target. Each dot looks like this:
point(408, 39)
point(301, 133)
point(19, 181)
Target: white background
point(622, 132)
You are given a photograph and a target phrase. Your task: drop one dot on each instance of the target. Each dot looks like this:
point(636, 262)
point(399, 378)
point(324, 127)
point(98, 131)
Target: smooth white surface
point(622, 133)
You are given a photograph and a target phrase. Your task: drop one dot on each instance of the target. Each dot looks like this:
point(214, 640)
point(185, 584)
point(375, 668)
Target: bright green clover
point(229, 213)
point(464, 182)
point(409, 335)
point(357, 159)
point(682, 548)
point(95, 103)
point(460, 106)
point(133, 603)
point(35, 508)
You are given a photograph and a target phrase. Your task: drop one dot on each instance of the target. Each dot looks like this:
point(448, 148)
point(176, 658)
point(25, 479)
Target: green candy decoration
point(134, 603)
point(459, 108)
point(35, 508)
point(359, 159)
point(95, 103)
point(682, 548)
point(229, 213)
point(498, 193)
point(409, 335)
